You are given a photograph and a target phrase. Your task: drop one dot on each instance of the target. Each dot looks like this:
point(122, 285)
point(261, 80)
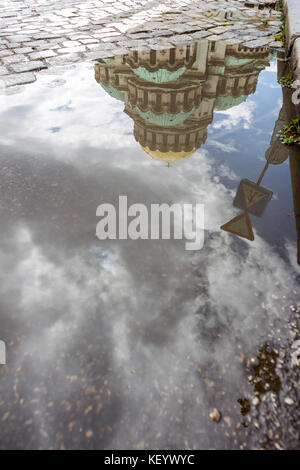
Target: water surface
point(123, 344)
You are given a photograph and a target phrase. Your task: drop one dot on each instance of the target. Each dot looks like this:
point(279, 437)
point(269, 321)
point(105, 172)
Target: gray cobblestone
point(23, 50)
point(14, 58)
point(5, 53)
point(88, 41)
point(36, 43)
point(13, 45)
point(259, 42)
point(17, 79)
point(3, 70)
point(71, 50)
point(28, 66)
point(46, 54)
point(71, 43)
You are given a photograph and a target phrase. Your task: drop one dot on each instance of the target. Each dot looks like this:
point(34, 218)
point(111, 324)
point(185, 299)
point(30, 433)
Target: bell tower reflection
point(171, 94)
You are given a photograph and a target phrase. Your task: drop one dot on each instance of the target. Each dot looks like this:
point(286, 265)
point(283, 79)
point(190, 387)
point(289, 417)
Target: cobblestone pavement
point(35, 35)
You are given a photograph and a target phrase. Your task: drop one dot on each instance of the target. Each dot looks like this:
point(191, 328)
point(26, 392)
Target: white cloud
point(239, 115)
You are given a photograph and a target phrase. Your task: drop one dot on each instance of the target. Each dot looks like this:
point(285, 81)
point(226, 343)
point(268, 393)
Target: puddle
point(130, 344)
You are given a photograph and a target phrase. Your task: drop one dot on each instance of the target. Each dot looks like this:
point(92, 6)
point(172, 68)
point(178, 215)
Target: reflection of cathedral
point(170, 94)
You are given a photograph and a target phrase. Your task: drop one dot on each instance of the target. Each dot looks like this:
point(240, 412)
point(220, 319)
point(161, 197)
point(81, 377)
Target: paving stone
point(44, 36)
point(180, 38)
point(200, 34)
point(275, 44)
point(44, 54)
point(98, 46)
point(111, 39)
point(23, 50)
point(36, 43)
point(17, 79)
point(106, 35)
point(46, 47)
point(28, 66)
point(71, 43)
point(17, 38)
point(3, 70)
point(13, 45)
point(258, 42)
point(219, 30)
point(15, 58)
point(5, 53)
point(96, 55)
point(64, 59)
point(71, 50)
point(88, 41)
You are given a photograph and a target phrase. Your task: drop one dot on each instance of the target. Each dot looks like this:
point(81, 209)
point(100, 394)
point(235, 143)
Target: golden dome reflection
point(171, 94)
point(168, 157)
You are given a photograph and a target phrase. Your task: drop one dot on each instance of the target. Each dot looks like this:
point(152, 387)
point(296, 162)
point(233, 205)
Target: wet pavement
point(141, 344)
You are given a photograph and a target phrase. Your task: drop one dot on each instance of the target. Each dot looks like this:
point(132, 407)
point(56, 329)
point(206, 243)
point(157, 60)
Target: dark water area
point(130, 344)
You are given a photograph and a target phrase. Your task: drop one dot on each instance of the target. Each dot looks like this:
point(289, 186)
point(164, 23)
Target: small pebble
point(255, 401)
point(215, 415)
point(227, 421)
point(288, 401)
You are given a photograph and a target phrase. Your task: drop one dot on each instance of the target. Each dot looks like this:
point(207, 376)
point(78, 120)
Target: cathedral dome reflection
point(171, 94)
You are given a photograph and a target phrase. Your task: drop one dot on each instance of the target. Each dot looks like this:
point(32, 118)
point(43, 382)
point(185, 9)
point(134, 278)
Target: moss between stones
point(290, 134)
point(287, 80)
